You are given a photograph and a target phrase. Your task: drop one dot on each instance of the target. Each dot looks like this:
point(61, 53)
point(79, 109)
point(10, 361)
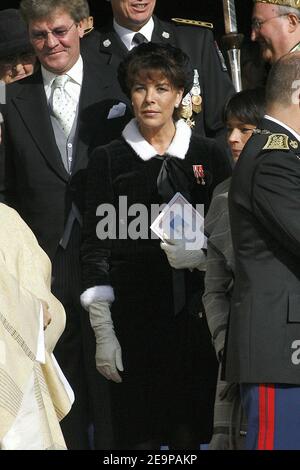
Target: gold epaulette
point(204, 24)
point(280, 142)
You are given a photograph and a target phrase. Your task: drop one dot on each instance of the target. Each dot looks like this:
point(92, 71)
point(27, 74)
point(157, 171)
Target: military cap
point(282, 3)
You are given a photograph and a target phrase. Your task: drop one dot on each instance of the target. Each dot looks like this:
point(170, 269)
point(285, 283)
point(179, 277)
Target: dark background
point(205, 10)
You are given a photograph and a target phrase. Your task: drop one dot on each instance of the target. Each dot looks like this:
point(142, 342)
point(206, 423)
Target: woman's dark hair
point(173, 63)
point(248, 106)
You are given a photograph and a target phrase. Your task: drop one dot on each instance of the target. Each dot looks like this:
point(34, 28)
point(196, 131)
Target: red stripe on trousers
point(266, 416)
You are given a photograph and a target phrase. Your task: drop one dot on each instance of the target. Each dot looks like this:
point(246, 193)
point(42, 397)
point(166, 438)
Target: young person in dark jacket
point(242, 115)
point(161, 366)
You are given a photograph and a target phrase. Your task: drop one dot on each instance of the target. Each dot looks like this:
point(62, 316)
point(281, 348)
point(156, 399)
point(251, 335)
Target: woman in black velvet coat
point(162, 366)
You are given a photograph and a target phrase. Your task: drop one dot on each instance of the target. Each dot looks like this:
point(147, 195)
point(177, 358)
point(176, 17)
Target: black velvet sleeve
point(96, 250)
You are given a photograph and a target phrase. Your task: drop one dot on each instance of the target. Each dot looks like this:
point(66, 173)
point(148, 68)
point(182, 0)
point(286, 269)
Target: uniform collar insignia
point(261, 131)
point(294, 144)
point(277, 142)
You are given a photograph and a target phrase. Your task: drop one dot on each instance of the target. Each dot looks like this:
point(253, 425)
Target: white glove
point(108, 350)
point(181, 254)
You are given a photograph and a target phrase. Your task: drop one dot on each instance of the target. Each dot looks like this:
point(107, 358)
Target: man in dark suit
point(263, 348)
point(53, 119)
point(203, 106)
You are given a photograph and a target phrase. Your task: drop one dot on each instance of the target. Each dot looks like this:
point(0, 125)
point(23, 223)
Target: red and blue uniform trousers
point(273, 414)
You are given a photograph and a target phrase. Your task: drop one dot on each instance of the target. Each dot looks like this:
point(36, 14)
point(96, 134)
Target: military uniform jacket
point(198, 43)
point(264, 203)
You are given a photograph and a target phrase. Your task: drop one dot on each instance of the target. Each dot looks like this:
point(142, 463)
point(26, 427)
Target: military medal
point(199, 174)
point(186, 111)
point(196, 94)
point(190, 122)
point(191, 102)
point(196, 103)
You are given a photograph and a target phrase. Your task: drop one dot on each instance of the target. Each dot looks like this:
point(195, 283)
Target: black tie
point(139, 38)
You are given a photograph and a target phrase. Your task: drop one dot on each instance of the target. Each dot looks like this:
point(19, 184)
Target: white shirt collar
point(282, 124)
point(75, 73)
point(178, 147)
point(126, 35)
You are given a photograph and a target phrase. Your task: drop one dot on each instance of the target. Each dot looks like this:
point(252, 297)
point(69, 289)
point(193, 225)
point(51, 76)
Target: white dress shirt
point(126, 35)
point(73, 86)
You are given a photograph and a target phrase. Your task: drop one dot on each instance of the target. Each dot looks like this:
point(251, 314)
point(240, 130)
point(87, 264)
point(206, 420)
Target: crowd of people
point(159, 342)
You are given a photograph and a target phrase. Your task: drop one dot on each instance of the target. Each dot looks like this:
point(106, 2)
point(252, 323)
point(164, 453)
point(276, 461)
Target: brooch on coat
point(199, 174)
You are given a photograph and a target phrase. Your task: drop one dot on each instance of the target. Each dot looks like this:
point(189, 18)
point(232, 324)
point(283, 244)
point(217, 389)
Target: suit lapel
point(31, 103)
point(163, 32)
point(112, 46)
point(95, 85)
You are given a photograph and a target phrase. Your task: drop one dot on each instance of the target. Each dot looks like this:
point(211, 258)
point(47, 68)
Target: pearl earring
point(177, 105)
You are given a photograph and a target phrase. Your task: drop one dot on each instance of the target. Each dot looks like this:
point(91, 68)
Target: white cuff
point(92, 294)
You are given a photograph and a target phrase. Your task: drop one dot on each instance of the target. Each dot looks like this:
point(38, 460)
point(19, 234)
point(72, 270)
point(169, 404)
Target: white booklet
point(180, 220)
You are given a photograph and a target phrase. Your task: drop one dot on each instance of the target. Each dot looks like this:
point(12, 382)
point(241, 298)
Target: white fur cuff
point(102, 293)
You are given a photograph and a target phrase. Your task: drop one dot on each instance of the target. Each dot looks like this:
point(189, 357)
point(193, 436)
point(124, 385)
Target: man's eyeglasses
point(257, 24)
point(57, 33)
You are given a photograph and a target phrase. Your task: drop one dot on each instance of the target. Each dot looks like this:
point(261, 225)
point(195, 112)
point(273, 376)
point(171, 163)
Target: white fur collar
point(178, 148)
